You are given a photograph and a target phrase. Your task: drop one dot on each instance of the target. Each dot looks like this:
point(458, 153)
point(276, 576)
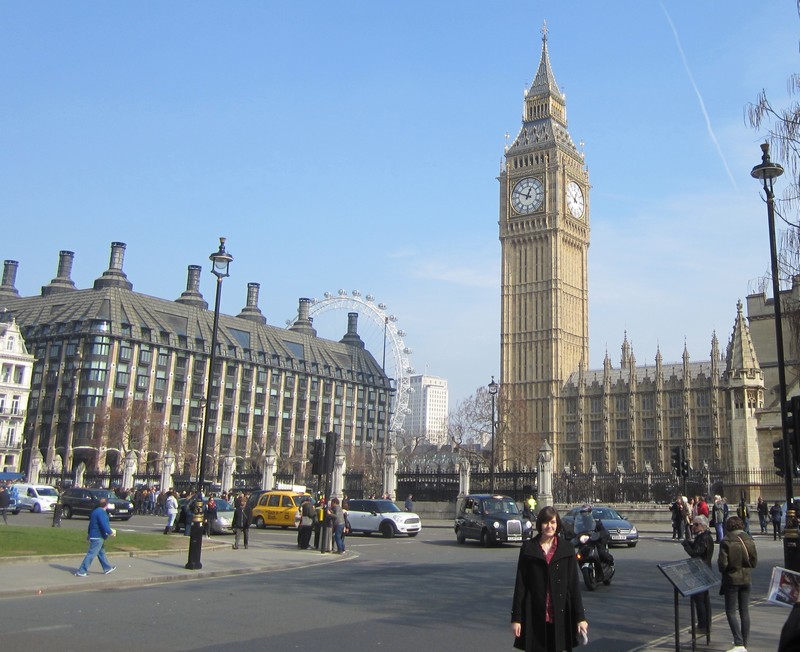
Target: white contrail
point(699, 97)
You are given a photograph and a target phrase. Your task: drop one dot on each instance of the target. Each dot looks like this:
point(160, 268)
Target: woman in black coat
point(547, 566)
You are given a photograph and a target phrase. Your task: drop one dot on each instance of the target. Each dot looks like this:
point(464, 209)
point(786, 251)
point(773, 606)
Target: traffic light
point(317, 457)
point(792, 425)
point(677, 459)
point(331, 440)
point(777, 457)
point(684, 467)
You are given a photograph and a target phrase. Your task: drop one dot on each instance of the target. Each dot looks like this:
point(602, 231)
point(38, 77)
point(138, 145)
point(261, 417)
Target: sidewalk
point(31, 576)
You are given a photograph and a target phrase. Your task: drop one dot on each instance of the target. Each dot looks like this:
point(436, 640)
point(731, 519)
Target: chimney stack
point(7, 288)
point(63, 281)
point(303, 323)
point(351, 337)
point(251, 311)
point(192, 296)
point(114, 277)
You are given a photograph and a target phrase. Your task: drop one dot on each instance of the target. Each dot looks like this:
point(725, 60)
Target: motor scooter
point(594, 560)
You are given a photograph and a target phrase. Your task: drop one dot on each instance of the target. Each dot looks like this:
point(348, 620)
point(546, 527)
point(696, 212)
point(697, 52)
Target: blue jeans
point(740, 594)
point(96, 549)
point(338, 537)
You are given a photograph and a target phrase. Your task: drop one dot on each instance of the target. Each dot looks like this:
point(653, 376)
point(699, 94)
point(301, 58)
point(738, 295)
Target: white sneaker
point(737, 648)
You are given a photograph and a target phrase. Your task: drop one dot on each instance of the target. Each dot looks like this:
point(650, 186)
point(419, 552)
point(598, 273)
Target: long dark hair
point(545, 515)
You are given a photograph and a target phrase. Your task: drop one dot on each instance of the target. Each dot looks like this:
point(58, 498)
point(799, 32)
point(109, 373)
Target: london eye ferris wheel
point(381, 336)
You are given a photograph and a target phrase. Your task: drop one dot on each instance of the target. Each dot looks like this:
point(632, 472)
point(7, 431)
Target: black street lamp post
point(767, 172)
point(493, 388)
point(221, 261)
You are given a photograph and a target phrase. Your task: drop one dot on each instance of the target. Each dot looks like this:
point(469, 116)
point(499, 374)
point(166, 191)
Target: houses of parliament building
point(723, 410)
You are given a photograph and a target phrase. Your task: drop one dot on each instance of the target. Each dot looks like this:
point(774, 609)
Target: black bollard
point(196, 537)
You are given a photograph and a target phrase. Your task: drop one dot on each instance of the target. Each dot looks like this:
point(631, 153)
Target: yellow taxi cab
point(277, 507)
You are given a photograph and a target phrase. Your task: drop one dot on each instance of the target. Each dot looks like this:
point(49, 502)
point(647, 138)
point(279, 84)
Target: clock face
point(527, 195)
point(575, 202)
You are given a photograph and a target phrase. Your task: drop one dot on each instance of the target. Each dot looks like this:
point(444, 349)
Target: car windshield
point(385, 506)
point(600, 513)
point(500, 506)
point(104, 493)
point(47, 491)
point(223, 505)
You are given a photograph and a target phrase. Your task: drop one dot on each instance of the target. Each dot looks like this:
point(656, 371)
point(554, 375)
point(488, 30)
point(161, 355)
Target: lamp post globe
point(220, 261)
point(493, 389)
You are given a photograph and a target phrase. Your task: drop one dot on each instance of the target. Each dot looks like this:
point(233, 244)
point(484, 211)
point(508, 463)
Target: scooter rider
point(585, 523)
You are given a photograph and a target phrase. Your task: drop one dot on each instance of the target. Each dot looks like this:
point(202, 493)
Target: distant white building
point(16, 365)
point(428, 404)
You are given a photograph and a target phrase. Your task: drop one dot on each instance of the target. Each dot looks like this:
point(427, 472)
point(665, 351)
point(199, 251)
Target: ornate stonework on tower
point(544, 236)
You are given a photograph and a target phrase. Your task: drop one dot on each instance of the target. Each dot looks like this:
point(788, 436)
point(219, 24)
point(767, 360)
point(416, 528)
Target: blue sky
point(356, 145)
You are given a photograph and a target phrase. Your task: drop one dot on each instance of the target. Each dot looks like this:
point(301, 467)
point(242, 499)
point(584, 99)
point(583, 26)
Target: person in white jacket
point(171, 505)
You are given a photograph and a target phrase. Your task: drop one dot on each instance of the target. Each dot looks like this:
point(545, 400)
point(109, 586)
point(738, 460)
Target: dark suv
point(77, 501)
point(491, 520)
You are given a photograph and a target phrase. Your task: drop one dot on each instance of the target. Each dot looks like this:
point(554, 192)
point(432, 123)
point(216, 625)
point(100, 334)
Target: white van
point(35, 497)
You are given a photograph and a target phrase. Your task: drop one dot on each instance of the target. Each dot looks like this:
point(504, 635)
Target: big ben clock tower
point(544, 237)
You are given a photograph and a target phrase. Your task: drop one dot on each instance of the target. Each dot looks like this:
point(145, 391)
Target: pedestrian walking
point(171, 507)
point(775, 515)
point(762, 509)
point(701, 547)
point(210, 516)
point(307, 515)
point(409, 504)
point(719, 514)
point(336, 514)
point(737, 558)
point(743, 512)
point(5, 502)
point(677, 518)
point(99, 531)
point(547, 610)
point(241, 524)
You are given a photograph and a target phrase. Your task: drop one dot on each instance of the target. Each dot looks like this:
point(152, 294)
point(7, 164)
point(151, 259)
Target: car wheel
point(66, 511)
point(460, 536)
point(259, 522)
point(387, 530)
point(486, 539)
point(36, 508)
point(632, 544)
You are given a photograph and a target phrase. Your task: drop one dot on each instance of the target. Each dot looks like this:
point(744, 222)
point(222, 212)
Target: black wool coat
point(534, 575)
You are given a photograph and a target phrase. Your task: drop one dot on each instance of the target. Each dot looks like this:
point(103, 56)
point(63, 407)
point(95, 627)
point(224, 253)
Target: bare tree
point(470, 422)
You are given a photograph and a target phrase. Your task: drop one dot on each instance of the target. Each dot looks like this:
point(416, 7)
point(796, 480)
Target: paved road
point(426, 593)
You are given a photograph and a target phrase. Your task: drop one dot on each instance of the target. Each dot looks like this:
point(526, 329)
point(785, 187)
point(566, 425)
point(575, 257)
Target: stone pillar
point(228, 469)
point(37, 462)
point(80, 475)
point(464, 470)
point(270, 466)
point(167, 469)
point(337, 479)
point(128, 469)
point(545, 463)
point(390, 473)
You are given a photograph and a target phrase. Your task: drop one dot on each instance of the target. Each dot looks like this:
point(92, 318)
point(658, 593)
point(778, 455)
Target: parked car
point(222, 525)
point(491, 519)
point(621, 531)
point(277, 507)
point(77, 501)
point(35, 497)
point(368, 516)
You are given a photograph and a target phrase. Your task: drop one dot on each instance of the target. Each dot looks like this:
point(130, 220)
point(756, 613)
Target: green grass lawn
point(16, 540)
